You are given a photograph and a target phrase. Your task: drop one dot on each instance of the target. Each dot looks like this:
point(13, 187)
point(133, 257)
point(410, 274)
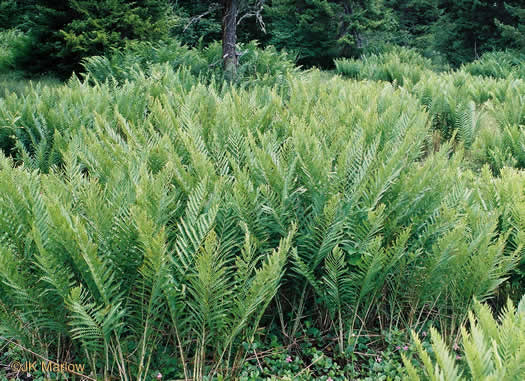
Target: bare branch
point(255, 11)
point(212, 8)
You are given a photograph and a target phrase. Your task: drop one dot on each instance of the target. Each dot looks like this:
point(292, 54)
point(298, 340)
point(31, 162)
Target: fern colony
point(175, 218)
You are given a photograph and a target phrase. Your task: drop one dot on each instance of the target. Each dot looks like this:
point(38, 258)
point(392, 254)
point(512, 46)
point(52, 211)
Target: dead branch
point(212, 8)
point(255, 11)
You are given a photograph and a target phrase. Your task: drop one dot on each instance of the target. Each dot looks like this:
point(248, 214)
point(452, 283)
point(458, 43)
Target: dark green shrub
point(63, 33)
point(16, 14)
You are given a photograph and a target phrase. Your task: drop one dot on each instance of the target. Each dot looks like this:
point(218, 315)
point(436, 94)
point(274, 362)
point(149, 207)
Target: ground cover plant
point(207, 230)
point(178, 203)
point(484, 112)
point(262, 66)
point(492, 350)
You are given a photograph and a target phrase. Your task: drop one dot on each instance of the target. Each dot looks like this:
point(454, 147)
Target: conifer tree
point(64, 32)
point(515, 33)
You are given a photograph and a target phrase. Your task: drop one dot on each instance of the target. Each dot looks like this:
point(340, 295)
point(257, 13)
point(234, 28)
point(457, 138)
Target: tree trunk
point(229, 38)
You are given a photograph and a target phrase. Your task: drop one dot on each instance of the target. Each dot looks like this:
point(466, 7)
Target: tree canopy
point(316, 31)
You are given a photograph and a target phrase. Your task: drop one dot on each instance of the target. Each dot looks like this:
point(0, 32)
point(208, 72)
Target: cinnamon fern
point(166, 214)
point(491, 349)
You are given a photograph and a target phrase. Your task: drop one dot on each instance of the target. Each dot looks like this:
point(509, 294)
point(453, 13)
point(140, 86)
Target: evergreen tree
point(467, 28)
point(15, 13)
point(320, 30)
point(196, 21)
point(63, 33)
point(305, 27)
point(514, 33)
point(414, 19)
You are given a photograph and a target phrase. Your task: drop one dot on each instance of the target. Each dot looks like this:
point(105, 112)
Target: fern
point(492, 349)
point(168, 214)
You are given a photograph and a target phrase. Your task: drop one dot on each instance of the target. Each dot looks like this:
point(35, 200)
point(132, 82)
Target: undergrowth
point(160, 220)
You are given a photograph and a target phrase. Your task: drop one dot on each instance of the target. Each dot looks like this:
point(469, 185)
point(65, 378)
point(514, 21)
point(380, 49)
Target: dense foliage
point(486, 113)
point(318, 31)
point(61, 34)
point(256, 65)
point(165, 217)
point(468, 28)
point(493, 350)
point(167, 221)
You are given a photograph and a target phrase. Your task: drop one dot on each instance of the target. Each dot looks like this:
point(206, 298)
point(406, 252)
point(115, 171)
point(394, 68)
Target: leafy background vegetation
point(159, 221)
